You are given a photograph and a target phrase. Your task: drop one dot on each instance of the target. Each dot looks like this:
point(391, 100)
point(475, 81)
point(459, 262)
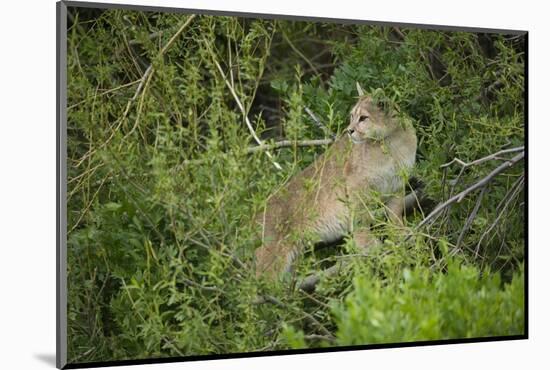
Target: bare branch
point(308, 316)
point(484, 159)
point(109, 91)
point(319, 123)
point(143, 82)
point(481, 183)
point(276, 145)
point(297, 51)
point(319, 337)
point(309, 283)
point(510, 195)
point(470, 219)
point(241, 107)
point(192, 283)
point(289, 143)
point(85, 211)
point(151, 36)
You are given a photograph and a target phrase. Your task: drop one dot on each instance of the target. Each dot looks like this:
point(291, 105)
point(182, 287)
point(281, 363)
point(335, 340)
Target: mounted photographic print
point(238, 185)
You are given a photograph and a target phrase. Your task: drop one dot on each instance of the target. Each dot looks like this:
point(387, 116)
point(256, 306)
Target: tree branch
point(308, 316)
point(470, 219)
point(300, 54)
point(484, 159)
point(310, 282)
point(510, 195)
point(289, 143)
point(319, 123)
point(481, 183)
point(143, 82)
point(241, 107)
point(276, 145)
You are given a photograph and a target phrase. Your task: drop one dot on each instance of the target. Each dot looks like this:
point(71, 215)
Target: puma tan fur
point(319, 203)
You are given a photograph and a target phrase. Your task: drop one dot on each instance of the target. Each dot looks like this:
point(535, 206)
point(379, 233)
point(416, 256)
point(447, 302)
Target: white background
point(27, 182)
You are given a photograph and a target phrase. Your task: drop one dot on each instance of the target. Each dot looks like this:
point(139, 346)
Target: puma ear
point(360, 91)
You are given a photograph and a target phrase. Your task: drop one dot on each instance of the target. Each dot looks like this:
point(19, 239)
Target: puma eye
point(362, 118)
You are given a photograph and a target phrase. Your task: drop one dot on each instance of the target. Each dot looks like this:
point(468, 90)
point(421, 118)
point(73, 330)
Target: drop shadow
point(47, 358)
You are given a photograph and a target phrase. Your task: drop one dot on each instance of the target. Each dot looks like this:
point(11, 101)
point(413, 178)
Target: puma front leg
point(395, 208)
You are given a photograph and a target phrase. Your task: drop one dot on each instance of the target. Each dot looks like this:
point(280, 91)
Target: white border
point(27, 186)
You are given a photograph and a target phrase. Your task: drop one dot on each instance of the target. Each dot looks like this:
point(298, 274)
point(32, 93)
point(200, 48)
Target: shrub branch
point(143, 82)
point(276, 145)
point(241, 107)
point(319, 123)
point(480, 184)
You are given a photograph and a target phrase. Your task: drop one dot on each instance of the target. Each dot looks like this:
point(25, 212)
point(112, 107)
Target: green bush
point(422, 305)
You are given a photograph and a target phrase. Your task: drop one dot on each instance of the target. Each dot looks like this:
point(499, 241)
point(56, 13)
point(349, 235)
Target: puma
point(362, 168)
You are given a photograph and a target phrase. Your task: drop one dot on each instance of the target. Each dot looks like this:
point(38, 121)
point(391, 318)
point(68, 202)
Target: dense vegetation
point(163, 185)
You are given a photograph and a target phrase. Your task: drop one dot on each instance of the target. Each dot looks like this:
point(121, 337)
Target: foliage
point(162, 191)
point(461, 303)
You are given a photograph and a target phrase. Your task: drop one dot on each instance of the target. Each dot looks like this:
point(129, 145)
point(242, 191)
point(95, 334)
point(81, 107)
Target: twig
point(484, 159)
point(318, 337)
point(143, 81)
point(458, 197)
point(507, 199)
point(289, 143)
point(78, 26)
point(314, 299)
point(262, 147)
point(146, 78)
point(241, 107)
point(109, 91)
point(470, 219)
point(192, 283)
point(311, 318)
point(399, 32)
point(309, 283)
point(297, 51)
point(83, 213)
point(253, 149)
point(319, 123)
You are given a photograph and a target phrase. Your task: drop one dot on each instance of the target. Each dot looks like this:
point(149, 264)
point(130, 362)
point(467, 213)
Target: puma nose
point(350, 131)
